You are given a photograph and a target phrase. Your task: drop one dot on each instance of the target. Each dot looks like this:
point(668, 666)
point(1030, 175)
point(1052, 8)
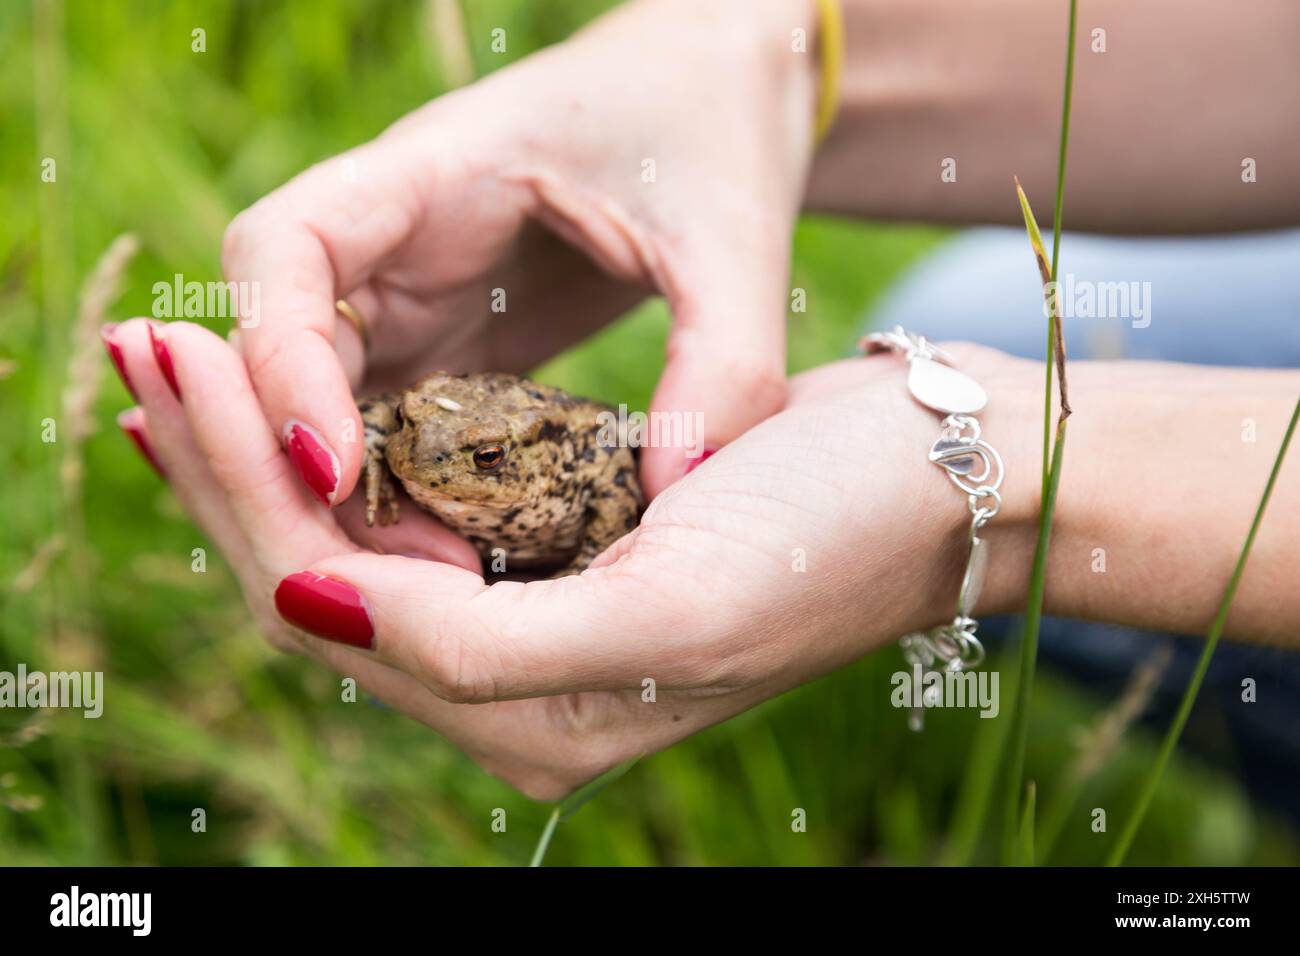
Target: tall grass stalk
point(1052, 458)
point(571, 804)
point(544, 842)
point(1025, 848)
point(1194, 686)
point(980, 780)
point(1029, 654)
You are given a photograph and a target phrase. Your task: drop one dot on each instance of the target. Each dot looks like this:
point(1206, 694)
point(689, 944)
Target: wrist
point(926, 88)
point(1163, 468)
point(1011, 423)
point(756, 61)
point(933, 521)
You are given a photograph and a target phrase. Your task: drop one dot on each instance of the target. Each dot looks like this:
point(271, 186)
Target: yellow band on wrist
point(831, 42)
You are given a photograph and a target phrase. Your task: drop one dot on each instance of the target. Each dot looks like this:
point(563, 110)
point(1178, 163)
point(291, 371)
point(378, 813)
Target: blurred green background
point(95, 557)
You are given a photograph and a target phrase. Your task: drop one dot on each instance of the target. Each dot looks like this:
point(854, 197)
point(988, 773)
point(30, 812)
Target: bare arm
point(1164, 467)
point(1163, 119)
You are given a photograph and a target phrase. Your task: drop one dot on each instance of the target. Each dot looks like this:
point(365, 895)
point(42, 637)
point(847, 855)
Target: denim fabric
point(1230, 300)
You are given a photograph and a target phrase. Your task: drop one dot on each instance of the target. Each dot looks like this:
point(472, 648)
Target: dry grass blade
point(86, 366)
point(446, 24)
point(1051, 295)
point(31, 730)
point(29, 576)
point(1099, 743)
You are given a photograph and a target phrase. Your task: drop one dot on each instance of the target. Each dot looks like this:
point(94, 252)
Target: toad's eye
point(489, 457)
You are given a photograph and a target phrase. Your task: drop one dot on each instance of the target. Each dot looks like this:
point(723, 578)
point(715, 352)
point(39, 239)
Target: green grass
point(169, 144)
point(1053, 460)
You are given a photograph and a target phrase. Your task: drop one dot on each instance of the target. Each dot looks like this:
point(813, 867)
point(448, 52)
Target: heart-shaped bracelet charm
point(958, 457)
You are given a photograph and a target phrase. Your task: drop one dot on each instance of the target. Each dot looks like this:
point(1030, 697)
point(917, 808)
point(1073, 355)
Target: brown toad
point(506, 462)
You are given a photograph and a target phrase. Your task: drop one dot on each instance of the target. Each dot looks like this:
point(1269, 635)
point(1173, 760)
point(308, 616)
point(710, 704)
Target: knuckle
point(452, 673)
point(761, 380)
point(474, 659)
point(254, 482)
point(264, 353)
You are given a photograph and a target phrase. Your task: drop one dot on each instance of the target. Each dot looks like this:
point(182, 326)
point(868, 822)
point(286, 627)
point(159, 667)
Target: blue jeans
point(1223, 300)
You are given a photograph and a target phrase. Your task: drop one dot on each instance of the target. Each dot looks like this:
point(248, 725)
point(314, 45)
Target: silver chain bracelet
point(959, 451)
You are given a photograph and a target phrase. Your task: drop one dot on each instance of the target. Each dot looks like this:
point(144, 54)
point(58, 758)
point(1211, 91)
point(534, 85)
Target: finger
point(135, 426)
point(725, 368)
point(471, 643)
point(416, 535)
point(159, 429)
point(234, 439)
point(303, 247)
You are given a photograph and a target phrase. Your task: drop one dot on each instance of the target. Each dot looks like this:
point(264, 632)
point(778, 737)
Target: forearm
point(1162, 120)
point(1164, 467)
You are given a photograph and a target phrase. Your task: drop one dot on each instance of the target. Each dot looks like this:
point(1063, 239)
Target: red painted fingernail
point(325, 607)
point(115, 354)
point(693, 463)
point(163, 357)
point(318, 466)
point(131, 421)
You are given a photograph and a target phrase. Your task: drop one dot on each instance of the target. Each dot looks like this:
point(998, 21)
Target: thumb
point(725, 369)
point(471, 643)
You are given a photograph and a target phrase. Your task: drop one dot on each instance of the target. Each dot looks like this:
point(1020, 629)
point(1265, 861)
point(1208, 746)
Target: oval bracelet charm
point(944, 389)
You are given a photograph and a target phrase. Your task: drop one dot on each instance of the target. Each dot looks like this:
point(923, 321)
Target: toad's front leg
point(613, 509)
point(379, 416)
